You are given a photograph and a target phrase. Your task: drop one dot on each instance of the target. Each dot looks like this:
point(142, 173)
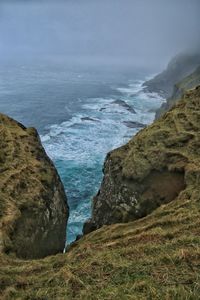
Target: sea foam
point(78, 146)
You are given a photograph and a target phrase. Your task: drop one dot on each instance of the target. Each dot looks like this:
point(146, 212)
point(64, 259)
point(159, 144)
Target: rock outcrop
point(33, 204)
point(179, 67)
point(160, 164)
point(180, 88)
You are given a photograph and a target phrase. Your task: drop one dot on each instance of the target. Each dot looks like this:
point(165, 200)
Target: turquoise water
point(80, 116)
point(79, 145)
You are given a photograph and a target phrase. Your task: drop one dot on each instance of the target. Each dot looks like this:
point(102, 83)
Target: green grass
point(157, 257)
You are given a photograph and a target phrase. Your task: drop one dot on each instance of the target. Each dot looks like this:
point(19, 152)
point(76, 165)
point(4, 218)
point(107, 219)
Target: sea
point(80, 115)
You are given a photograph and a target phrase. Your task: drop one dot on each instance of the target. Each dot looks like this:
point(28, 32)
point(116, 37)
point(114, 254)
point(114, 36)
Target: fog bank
point(106, 32)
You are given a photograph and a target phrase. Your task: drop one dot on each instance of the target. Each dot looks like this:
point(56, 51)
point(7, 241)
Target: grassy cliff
point(155, 167)
point(33, 205)
point(155, 257)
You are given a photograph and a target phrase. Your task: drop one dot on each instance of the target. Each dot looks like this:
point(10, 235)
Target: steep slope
point(33, 206)
point(155, 257)
point(160, 164)
point(188, 82)
point(179, 67)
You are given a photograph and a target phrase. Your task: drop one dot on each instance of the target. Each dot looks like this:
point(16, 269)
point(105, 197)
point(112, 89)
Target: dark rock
point(89, 119)
point(124, 105)
point(132, 124)
point(88, 227)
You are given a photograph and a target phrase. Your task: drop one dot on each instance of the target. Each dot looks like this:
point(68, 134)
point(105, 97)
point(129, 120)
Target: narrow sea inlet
point(79, 146)
point(81, 116)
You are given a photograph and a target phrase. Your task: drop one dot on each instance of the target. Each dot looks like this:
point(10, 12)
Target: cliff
point(188, 82)
point(179, 67)
point(33, 205)
point(154, 257)
point(160, 164)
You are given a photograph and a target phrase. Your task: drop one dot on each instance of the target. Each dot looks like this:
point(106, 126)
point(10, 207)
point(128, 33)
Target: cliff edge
point(160, 164)
point(33, 205)
point(154, 257)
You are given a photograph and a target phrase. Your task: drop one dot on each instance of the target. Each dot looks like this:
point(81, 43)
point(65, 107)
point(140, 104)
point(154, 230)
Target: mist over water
point(92, 32)
point(74, 70)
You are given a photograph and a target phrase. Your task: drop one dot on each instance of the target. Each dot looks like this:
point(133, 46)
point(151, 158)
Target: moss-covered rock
point(180, 88)
point(178, 68)
point(33, 205)
point(160, 164)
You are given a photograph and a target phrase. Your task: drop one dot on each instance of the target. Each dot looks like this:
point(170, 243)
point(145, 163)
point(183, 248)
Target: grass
point(158, 165)
point(157, 257)
point(28, 183)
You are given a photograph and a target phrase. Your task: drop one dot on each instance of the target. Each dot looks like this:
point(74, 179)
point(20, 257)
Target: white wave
point(132, 88)
point(83, 144)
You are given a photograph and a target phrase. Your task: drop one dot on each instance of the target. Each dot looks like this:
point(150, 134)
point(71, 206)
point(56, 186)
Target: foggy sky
point(131, 32)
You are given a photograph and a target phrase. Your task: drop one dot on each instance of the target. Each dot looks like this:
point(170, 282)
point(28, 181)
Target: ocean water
point(80, 116)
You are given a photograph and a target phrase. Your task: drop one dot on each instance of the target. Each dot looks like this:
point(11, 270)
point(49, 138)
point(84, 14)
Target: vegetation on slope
point(160, 164)
point(33, 207)
point(155, 257)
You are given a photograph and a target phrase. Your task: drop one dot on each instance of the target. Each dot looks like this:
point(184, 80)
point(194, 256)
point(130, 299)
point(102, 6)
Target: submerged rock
point(132, 124)
point(102, 109)
point(160, 164)
point(33, 204)
point(89, 119)
point(124, 105)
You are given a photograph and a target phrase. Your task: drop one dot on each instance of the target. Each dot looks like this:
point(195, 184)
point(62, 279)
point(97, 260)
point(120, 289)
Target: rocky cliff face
point(179, 67)
point(155, 257)
point(160, 164)
point(33, 205)
point(188, 82)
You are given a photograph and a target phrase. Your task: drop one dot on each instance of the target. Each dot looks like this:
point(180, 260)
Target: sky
point(126, 32)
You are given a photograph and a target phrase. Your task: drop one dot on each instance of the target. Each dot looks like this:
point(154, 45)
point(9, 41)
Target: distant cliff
point(186, 83)
point(160, 164)
point(33, 205)
point(179, 67)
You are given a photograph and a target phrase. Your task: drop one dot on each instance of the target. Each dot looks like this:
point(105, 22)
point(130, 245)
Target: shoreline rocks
point(133, 124)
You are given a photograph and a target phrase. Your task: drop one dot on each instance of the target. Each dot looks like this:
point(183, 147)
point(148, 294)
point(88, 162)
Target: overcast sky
point(99, 31)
